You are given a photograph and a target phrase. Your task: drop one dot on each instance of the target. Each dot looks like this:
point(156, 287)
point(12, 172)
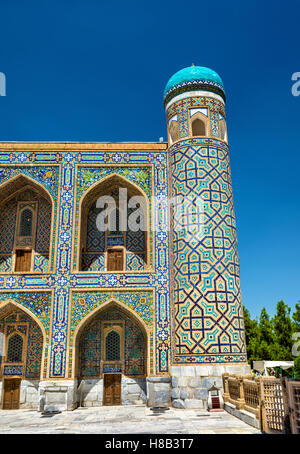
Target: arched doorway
point(112, 358)
point(123, 246)
point(25, 226)
point(22, 343)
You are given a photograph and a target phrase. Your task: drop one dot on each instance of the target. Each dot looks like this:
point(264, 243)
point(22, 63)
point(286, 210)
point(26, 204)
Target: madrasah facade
point(123, 315)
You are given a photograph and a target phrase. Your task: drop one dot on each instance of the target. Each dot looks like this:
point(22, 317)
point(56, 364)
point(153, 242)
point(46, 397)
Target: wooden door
point(112, 389)
point(114, 260)
point(11, 396)
point(23, 260)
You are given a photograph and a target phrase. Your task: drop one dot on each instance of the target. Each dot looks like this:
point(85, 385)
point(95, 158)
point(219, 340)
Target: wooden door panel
point(114, 260)
point(23, 261)
point(11, 398)
point(112, 389)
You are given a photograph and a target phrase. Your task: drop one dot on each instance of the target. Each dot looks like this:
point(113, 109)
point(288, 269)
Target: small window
point(112, 347)
point(23, 260)
point(26, 222)
point(15, 349)
point(198, 127)
point(115, 261)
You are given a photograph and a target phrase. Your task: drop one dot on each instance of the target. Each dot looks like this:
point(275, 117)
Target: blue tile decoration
point(188, 295)
point(67, 175)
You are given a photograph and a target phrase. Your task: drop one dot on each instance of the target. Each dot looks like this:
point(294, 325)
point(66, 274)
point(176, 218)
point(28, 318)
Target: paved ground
point(122, 420)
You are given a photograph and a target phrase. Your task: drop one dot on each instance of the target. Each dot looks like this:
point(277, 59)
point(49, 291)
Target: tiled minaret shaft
point(208, 319)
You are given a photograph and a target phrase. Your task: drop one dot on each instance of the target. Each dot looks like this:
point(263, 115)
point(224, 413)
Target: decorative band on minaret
point(208, 319)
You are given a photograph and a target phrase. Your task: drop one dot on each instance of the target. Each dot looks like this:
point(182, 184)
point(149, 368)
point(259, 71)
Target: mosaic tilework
point(90, 345)
point(48, 177)
point(95, 241)
point(94, 258)
point(34, 352)
point(207, 309)
point(8, 216)
point(43, 226)
point(88, 176)
point(34, 348)
point(135, 241)
point(41, 262)
point(65, 241)
point(140, 302)
point(5, 263)
point(135, 262)
point(181, 110)
point(93, 262)
point(39, 303)
point(63, 281)
point(7, 227)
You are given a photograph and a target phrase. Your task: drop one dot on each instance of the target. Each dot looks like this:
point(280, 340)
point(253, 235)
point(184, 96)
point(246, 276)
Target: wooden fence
point(274, 402)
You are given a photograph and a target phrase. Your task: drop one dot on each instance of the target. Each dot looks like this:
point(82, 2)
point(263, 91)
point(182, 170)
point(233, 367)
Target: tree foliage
point(271, 338)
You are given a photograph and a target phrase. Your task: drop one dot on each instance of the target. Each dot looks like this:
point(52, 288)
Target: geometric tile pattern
point(7, 231)
point(65, 171)
point(94, 258)
point(87, 177)
point(207, 307)
point(43, 226)
point(37, 302)
point(139, 302)
point(41, 262)
point(135, 262)
point(61, 298)
point(46, 176)
point(181, 109)
point(20, 322)
point(90, 345)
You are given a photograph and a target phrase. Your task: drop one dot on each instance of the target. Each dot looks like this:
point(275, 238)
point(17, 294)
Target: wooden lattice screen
point(234, 388)
point(251, 396)
point(274, 407)
point(293, 393)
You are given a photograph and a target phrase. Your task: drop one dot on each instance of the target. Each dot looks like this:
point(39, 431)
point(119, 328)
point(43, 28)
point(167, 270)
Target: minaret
point(208, 328)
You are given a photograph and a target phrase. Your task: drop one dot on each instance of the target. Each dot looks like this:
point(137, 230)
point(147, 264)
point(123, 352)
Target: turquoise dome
point(193, 78)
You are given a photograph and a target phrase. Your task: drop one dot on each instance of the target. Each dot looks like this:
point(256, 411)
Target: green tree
point(296, 318)
point(271, 339)
point(283, 330)
point(267, 341)
point(251, 334)
point(296, 329)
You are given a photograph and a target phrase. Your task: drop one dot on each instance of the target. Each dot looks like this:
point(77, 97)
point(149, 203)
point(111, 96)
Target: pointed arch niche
point(112, 336)
point(120, 247)
point(199, 122)
point(23, 340)
point(26, 222)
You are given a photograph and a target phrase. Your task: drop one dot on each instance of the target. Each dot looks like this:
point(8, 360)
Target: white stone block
point(195, 382)
point(203, 371)
point(193, 403)
point(178, 403)
point(175, 371)
point(188, 371)
point(182, 381)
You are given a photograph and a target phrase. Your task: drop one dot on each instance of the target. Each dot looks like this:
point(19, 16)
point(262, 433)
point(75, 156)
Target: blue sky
point(96, 70)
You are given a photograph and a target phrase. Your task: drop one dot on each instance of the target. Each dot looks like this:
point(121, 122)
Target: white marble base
point(190, 384)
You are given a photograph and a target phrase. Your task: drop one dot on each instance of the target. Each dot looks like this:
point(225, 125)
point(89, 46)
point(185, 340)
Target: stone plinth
point(190, 384)
point(58, 395)
point(159, 391)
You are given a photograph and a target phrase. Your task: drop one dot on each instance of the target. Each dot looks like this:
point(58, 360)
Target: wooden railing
point(275, 403)
point(251, 394)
